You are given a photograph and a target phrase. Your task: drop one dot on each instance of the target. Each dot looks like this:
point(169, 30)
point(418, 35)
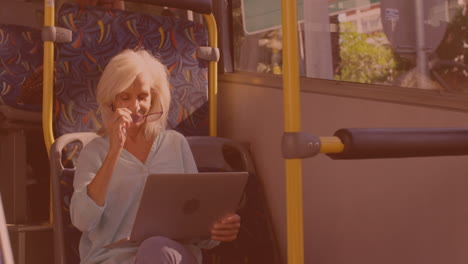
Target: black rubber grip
point(378, 143)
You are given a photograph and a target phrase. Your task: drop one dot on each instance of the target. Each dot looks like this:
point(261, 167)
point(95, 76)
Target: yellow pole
point(212, 76)
point(47, 93)
point(48, 78)
point(292, 122)
point(331, 145)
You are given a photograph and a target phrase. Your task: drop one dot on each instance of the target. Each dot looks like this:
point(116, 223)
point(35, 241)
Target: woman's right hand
point(117, 128)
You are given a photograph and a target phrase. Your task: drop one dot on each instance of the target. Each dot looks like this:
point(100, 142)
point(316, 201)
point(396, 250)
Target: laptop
point(184, 206)
point(6, 255)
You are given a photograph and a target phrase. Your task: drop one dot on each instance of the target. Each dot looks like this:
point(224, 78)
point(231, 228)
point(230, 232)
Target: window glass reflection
point(409, 43)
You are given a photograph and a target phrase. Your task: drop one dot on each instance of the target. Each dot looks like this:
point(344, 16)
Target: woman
point(133, 96)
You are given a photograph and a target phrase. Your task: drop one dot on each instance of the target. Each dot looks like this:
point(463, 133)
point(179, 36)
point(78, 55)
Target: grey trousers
point(162, 250)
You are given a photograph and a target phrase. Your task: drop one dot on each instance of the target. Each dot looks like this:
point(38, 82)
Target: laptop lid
point(185, 206)
point(6, 255)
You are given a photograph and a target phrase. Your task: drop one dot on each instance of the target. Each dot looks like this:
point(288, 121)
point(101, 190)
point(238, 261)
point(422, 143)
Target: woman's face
point(136, 98)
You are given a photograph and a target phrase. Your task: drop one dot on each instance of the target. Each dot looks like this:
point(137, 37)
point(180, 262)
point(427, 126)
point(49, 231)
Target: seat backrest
point(100, 34)
point(21, 53)
point(256, 242)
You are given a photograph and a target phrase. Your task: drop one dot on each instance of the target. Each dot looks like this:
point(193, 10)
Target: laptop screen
point(6, 255)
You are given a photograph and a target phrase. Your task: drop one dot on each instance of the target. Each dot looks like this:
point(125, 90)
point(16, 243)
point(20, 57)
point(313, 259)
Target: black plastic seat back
point(256, 242)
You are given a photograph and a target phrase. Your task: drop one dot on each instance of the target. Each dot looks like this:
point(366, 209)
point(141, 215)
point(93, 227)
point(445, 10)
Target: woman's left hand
point(226, 229)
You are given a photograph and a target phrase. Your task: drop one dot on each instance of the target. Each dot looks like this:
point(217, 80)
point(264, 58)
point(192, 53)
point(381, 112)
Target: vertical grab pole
point(48, 78)
point(292, 122)
point(48, 82)
point(212, 76)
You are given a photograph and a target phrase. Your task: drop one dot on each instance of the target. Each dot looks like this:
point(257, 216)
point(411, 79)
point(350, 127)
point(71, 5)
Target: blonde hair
point(119, 75)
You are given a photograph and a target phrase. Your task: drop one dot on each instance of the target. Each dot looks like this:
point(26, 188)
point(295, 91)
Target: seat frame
point(56, 169)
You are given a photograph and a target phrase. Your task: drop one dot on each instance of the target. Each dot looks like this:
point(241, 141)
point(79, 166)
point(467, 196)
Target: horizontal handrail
point(375, 143)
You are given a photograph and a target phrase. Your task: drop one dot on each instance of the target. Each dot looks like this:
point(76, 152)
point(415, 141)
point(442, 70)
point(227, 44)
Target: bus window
point(417, 44)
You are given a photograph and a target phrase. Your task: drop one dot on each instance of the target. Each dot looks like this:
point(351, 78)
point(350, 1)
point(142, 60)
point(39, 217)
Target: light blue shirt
point(170, 153)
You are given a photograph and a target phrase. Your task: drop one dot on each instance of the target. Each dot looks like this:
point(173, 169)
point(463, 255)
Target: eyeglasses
point(151, 117)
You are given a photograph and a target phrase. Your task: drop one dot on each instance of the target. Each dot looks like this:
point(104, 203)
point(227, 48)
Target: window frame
point(384, 93)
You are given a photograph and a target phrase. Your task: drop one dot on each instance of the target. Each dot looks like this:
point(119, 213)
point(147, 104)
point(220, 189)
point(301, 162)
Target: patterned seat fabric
point(100, 34)
point(21, 52)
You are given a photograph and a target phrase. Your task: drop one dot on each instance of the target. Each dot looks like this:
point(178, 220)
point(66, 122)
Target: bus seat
point(100, 34)
point(21, 53)
point(256, 242)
